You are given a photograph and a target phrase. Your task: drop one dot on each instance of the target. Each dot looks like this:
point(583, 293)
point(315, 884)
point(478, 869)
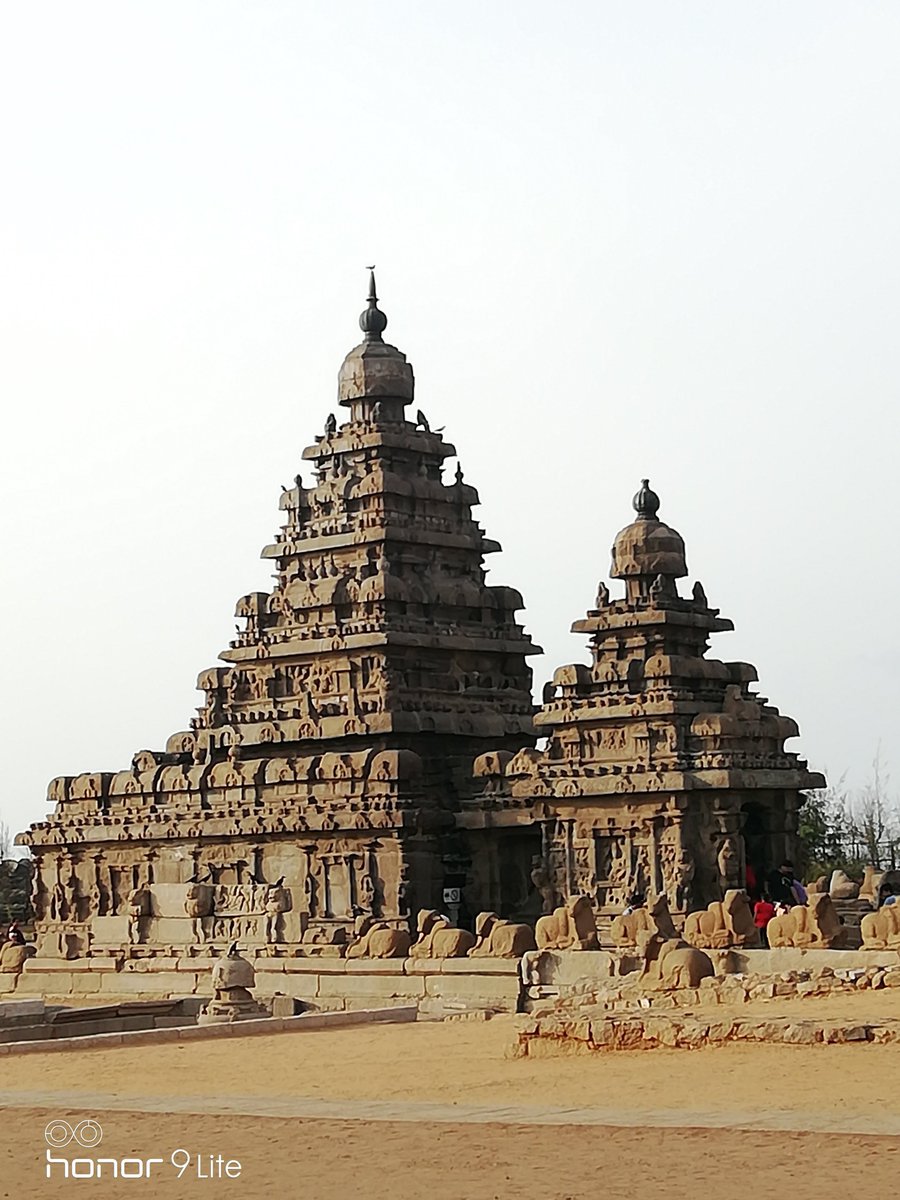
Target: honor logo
point(85, 1133)
point(89, 1134)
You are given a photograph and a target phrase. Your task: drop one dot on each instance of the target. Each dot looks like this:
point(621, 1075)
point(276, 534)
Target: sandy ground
point(336, 1160)
point(465, 1063)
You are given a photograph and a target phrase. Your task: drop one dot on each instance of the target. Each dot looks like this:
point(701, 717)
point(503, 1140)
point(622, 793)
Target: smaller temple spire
point(646, 502)
point(372, 322)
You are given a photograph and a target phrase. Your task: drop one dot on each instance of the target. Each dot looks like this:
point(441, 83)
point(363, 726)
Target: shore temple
point(369, 743)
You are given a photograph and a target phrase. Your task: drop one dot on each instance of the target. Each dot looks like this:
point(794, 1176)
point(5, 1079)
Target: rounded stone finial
point(373, 370)
point(646, 502)
point(372, 321)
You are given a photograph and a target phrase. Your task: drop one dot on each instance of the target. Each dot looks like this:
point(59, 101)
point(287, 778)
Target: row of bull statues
point(728, 924)
point(724, 924)
point(572, 926)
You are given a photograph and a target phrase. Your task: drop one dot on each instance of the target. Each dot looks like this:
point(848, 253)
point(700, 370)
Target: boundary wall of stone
point(337, 984)
point(325, 984)
point(560, 969)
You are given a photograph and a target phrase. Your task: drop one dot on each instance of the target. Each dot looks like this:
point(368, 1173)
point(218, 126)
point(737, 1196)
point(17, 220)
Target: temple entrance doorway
point(754, 828)
point(517, 851)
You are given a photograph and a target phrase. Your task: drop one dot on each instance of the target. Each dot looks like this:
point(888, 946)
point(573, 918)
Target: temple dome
point(648, 547)
point(374, 368)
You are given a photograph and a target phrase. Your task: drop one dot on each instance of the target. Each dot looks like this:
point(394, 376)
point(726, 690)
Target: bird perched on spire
point(331, 423)
point(422, 421)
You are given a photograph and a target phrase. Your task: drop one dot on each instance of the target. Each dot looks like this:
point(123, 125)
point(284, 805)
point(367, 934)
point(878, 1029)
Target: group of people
point(781, 891)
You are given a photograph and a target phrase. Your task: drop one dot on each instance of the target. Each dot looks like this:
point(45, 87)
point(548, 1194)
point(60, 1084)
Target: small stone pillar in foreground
point(233, 978)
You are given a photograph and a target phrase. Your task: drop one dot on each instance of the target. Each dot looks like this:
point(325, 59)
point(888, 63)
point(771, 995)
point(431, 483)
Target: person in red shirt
point(763, 912)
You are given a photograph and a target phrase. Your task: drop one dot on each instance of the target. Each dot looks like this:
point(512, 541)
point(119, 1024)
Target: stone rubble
point(617, 1014)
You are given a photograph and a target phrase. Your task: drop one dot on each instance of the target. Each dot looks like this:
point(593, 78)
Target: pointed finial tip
point(646, 502)
point(373, 321)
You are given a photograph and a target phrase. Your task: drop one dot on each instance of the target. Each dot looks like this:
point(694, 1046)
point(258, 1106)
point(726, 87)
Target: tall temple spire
point(372, 320)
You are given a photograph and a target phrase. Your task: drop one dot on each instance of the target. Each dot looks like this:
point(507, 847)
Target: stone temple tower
point(662, 771)
point(325, 769)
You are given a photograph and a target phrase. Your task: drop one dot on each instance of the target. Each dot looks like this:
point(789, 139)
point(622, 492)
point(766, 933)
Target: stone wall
point(323, 983)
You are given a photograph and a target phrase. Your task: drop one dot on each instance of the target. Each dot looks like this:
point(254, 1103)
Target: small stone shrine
point(233, 981)
point(320, 780)
point(662, 772)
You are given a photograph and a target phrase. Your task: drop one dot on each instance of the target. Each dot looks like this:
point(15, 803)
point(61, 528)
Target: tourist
point(781, 885)
point(763, 912)
point(800, 893)
point(15, 934)
point(635, 901)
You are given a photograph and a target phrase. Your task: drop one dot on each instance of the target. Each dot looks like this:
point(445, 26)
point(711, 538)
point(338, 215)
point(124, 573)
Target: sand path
point(438, 1110)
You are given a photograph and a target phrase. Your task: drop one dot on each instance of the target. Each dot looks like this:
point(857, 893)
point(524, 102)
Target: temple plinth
point(662, 771)
point(320, 780)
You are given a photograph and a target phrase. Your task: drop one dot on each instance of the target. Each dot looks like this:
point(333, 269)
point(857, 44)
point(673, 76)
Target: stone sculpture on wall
point(673, 964)
point(571, 927)
point(139, 907)
point(377, 939)
point(632, 930)
point(198, 905)
point(437, 938)
point(277, 902)
point(814, 925)
point(723, 925)
point(842, 887)
point(881, 930)
point(501, 939)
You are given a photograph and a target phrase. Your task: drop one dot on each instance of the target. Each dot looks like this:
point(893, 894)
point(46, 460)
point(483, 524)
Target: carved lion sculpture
point(500, 939)
point(438, 938)
point(723, 924)
point(815, 924)
point(842, 887)
point(871, 885)
point(377, 939)
point(13, 957)
point(571, 927)
point(881, 930)
point(653, 921)
point(674, 964)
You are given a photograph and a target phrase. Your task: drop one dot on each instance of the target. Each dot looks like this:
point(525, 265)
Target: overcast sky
point(614, 239)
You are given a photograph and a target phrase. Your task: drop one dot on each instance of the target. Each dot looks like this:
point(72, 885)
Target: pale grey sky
point(615, 240)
